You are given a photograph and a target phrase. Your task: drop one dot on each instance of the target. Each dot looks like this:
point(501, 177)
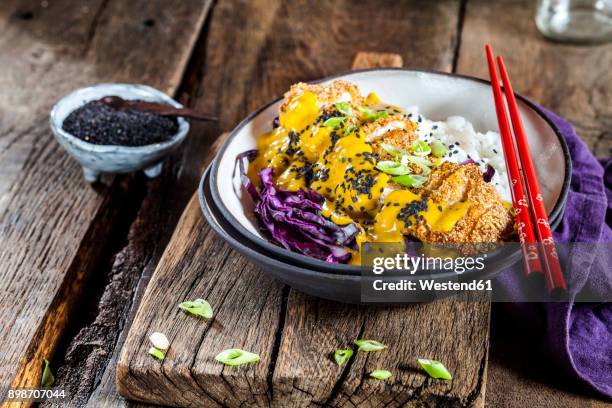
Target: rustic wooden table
point(75, 260)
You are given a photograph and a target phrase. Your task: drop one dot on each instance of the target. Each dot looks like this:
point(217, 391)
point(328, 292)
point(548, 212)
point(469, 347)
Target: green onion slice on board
point(235, 357)
point(369, 345)
point(342, 356)
point(435, 369)
point(380, 374)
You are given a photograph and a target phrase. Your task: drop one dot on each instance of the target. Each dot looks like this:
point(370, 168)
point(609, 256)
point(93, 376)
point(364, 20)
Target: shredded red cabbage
point(293, 220)
point(244, 159)
point(488, 175)
point(466, 162)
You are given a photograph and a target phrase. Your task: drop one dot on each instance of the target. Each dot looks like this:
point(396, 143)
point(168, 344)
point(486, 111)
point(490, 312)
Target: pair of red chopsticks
point(530, 203)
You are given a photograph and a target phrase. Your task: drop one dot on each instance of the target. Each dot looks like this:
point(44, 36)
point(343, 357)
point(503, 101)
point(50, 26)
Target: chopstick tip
point(490, 59)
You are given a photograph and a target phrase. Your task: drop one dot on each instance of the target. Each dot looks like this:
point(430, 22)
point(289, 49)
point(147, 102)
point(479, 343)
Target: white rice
point(464, 143)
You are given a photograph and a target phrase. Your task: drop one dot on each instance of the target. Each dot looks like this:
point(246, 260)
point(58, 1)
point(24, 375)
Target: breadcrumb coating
point(380, 129)
point(399, 138)
point(487, 219)
point(337, 91)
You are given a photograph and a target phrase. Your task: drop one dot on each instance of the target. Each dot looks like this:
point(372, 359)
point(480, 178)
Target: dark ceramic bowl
point(343, 286)
point(438, 95)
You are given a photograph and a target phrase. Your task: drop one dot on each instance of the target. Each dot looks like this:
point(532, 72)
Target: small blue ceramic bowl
point(96, 159)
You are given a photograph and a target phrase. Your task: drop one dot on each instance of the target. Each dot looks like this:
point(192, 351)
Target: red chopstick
point(554, 279)
point(531, 258)
point(555, 283)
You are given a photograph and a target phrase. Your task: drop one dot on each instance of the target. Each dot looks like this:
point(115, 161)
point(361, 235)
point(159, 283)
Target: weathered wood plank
point(105, 393)
point(136, 359)
point(197, 264)
point(364, 60)
point(51, 222)
point(454, 332)
point(575, 82)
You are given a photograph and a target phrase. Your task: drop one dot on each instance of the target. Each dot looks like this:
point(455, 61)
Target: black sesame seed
point(99, 123)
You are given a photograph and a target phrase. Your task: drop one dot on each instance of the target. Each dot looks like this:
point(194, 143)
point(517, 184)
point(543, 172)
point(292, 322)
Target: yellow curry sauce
point(338, 163)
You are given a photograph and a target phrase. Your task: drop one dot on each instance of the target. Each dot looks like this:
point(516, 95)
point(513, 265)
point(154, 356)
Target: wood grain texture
point(294, 377)
point(573, 81)
point(576, 82)
point(51, 221)
point(197, 264)
point(86, 364)
point(365, 60)
point(132, 269)
point(314, 328)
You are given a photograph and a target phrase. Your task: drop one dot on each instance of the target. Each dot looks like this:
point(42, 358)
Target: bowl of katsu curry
point(377, 156)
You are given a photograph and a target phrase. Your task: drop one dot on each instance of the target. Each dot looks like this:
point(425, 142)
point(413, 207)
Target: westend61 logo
point(412, 263)
point(415, 272)
point(411, 271)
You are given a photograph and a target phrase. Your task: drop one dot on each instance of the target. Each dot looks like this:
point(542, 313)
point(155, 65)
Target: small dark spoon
point(161, 109)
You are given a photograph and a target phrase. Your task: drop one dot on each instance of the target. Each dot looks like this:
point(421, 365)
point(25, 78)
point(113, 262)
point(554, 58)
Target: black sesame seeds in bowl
point(101, 124)
point(104, 139)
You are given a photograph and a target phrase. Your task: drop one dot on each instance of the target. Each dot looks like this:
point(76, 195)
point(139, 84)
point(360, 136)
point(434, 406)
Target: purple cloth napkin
point(578, 336)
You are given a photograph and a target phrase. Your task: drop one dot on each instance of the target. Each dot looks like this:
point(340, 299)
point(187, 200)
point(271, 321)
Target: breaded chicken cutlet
point(486, 218)
point(337, 91)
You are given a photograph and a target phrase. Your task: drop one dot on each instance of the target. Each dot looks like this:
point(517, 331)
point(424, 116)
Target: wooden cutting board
point(294, 334)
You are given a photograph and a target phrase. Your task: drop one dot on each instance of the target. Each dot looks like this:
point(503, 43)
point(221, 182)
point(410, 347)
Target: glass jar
point(575, 21)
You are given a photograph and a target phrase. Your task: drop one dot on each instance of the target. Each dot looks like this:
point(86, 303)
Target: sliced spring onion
point(392, 150)
point(159, 341)
point(437, 148)
point(344, 108)
point(420, 148)
point(349, 129)
point(380, 374)
point(234, 357)
point(198, 307)
point(410, 180)
point(157, 353)
point(370, 114)
point(342, 356)
point(369, 345)
point(422, 162)
point(334, 122)
point(435, 369)
point(393, 168)
point(47, 379)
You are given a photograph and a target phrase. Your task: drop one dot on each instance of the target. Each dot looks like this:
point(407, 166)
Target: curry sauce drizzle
point(341, 167)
